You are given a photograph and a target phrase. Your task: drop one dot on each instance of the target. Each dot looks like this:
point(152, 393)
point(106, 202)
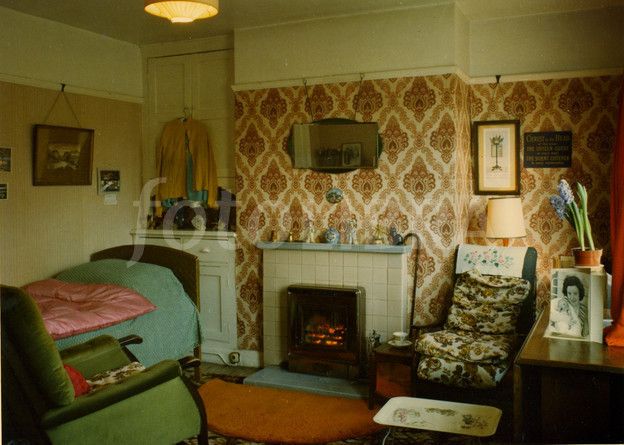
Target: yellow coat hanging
point(171, 160)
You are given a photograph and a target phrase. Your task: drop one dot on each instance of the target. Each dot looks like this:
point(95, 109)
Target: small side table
point(438, 415)
point(389, 373)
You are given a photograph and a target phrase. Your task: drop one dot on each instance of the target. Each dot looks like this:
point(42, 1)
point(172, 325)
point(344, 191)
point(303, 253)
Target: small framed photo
point(109, 181)
point(576, 304)
point(4, 191)
point(496, 157)
point(62, 155)
point(352, 154)
point(5, 159)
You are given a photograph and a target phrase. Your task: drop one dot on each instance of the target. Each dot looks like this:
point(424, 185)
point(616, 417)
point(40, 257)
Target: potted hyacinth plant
point(577, 215)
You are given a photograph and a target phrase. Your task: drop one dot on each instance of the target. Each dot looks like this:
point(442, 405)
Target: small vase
point(586, 258)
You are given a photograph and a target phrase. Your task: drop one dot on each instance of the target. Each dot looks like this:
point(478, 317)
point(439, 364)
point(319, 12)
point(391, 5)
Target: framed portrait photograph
point(62, 155)
point(496, 157)
point(4, 191)
point(352, 154)
point(109, 181)
point(576, 303)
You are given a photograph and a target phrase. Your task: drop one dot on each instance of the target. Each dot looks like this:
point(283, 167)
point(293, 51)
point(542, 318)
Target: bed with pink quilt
point(155, 298)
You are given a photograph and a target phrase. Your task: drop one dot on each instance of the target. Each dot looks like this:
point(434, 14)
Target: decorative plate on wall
point(334, 195)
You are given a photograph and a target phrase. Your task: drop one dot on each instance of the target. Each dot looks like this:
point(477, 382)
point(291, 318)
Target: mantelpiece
point(380, 269)
point(364, 248)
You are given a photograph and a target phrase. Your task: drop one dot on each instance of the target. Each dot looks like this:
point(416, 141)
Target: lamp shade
point(182, 11)
point(505, 218)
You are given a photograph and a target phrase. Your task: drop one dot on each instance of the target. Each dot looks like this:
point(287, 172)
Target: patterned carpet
point(400, 436)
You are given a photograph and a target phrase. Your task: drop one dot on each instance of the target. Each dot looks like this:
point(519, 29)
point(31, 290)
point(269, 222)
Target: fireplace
point(325, 330)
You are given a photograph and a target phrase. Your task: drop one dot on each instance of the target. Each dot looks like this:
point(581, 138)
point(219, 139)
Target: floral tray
point(439, 415)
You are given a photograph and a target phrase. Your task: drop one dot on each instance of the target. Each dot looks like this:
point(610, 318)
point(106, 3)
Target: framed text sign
point(550, 149)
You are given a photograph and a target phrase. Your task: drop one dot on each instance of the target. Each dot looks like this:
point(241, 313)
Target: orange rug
point(280, 416)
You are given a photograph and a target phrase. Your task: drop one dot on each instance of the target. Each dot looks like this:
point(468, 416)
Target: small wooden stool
point(394, 365)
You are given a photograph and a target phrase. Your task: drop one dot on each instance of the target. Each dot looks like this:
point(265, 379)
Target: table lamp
point(505, 219)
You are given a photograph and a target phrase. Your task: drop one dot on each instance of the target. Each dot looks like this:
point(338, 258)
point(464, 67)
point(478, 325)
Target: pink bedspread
point(73, 308)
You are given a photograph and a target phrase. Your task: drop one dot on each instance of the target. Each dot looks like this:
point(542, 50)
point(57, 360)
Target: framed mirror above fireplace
point(335, 145)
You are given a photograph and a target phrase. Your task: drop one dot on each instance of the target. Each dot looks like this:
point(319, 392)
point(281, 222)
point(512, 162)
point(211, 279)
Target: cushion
point(103, 379)
point(461, 373)
point(24, 325)
point(466, 345)
point(78, 381)
point(486, 303)
point(73, 308)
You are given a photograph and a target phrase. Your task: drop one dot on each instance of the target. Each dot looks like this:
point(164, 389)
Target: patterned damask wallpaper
point(423, 182)
point(587, 107)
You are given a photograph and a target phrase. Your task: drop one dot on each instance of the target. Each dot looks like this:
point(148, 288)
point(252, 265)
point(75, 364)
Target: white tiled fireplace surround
point(380, 270)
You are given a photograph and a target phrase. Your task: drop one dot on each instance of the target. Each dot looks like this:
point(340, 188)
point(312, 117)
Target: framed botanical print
point(496, 157)
point(62, 155)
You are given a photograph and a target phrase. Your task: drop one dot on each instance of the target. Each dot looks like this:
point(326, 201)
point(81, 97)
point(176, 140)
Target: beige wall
point(363, 43)
point(40, 52)
point(424, 41)
point(548, 43)
point(46, 229)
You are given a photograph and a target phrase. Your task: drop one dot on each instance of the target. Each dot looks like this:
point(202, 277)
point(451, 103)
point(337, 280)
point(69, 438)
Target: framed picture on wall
point(62, 155)
point(496, 157)
point(5, 159)
point(109, 181)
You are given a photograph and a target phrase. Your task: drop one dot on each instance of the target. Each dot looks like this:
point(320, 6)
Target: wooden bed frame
point(184, 265)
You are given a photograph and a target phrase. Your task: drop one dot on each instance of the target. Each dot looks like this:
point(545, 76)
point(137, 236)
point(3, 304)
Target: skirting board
point(219, 355)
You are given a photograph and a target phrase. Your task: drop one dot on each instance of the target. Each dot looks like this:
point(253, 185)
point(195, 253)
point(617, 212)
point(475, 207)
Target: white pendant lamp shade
point(182, 11)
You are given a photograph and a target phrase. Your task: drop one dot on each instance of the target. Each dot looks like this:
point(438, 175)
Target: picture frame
point(109, 181)
point(5, 159)
point(496, 157)
point(576, 304)
point(62, 155)
point(4, 191)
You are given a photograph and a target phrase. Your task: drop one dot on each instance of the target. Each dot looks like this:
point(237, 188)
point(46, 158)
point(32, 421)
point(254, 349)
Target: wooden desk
point(568, 391)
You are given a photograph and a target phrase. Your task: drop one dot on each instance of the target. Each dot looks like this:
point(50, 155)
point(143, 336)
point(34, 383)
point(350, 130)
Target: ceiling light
point(182, 11)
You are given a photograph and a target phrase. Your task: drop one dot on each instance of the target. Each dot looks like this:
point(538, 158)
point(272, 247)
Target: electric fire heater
point(325, 330)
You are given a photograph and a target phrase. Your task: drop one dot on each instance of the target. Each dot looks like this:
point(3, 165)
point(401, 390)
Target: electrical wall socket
point(234, 358)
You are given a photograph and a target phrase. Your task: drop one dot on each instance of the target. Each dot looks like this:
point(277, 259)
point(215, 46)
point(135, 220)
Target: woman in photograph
point(568, 315)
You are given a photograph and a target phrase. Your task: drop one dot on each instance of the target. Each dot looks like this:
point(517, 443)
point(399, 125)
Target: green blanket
point(169, 332)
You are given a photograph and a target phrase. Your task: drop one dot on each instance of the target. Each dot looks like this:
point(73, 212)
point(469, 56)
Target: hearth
point(325, 330)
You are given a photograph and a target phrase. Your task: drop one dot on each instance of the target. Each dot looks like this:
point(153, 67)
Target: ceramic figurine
point(310, 232)
point(332, 236)
point(351, 225)
point(395, 237)
point(378, 237)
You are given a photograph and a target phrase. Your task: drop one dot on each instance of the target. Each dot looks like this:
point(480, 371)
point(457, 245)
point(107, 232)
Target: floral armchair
point(468, 359)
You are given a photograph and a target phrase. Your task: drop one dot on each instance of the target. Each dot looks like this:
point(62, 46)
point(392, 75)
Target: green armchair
point(155, 406)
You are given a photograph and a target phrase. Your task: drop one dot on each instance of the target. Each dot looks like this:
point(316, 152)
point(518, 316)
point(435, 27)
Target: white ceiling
point(126, 20)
